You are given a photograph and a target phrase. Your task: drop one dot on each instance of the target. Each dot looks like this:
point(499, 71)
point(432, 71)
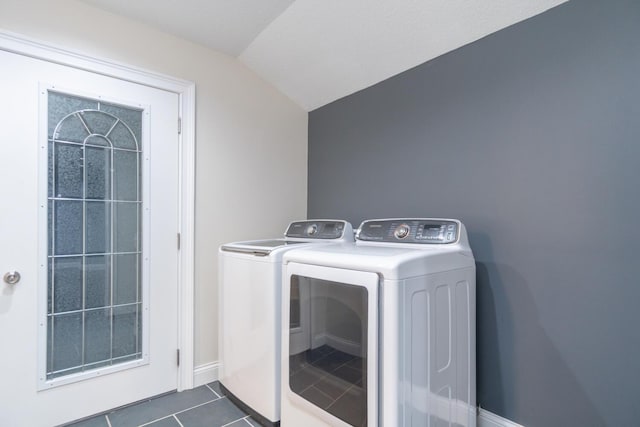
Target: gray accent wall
point(531, 137)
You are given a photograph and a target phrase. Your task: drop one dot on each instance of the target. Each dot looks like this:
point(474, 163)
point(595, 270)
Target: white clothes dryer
point(381, 333)
point(250, 278)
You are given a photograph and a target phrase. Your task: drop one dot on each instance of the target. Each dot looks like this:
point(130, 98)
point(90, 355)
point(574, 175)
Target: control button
point(402, 231)
point(449, 236)
point(312, 229)
point(451, 227)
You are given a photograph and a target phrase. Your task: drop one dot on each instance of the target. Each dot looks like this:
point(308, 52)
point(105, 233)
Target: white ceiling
point(317, 51)
point(224, 25)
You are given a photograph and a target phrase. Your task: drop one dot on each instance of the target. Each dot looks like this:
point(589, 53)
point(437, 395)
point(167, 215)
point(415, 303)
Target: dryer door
point(330, 348)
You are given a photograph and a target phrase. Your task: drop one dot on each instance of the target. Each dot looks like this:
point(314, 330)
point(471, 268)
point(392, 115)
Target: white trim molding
point(489, 419)
point(186, 296)
point(22, 45)
point(205, 374)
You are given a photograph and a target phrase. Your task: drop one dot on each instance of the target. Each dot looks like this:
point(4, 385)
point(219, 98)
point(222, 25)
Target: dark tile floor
point(331, 379)
point(205, 406)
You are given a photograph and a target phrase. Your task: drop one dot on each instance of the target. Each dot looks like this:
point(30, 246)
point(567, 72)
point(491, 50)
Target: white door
point(88, 218)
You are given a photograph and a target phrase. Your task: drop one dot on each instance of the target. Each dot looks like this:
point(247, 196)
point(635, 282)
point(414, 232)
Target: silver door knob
point(12, 277)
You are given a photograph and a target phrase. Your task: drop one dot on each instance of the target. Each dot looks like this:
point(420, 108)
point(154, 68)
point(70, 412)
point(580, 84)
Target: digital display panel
point(431, 231)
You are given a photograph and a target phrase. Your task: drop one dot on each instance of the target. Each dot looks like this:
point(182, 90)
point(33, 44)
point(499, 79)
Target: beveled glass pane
point(71, 129)
point(97, 140)
point(67, 341)
point(68, 175)
point(93, 268)
point(127, 358)
point(125, 175)
point(125, 227)
point(130, 116)
point(67, 284)
point(49, 286)
point(139, 324)
point(122, 137)
point(50, 225)
point(96, 365)
point(49, 344)
point(98, 163)
point(68, 227)
point(50, 169)
point(98, 122)
point(98, 227)
point(97, 281)
point(60, 105)
point(125, 283)
point(97, 337)
point(125, 330)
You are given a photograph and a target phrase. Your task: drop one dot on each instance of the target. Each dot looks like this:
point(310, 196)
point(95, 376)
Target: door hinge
point(178, 357)
point(178, 241)
point(179, 125)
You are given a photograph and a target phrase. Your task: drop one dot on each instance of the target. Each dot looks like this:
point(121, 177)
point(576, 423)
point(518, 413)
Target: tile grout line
point(176, 418)
point(246, 419)
point(197, 406)
point(156, 420)
point(179, 412)
point(108, 421)
point(229, 423)
point(213, 391)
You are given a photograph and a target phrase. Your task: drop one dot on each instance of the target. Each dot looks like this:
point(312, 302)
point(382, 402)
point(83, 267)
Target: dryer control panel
point(316, 229)
point(410, 230)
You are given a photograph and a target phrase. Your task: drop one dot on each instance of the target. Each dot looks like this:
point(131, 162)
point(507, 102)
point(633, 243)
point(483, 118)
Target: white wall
point(251, 141)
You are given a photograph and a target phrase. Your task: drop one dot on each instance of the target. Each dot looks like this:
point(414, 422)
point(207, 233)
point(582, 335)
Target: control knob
point(401, 231)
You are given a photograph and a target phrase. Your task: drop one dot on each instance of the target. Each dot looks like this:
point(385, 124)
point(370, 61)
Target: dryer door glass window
point(328, 346)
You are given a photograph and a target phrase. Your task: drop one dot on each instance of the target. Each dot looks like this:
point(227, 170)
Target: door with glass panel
point(88, 310)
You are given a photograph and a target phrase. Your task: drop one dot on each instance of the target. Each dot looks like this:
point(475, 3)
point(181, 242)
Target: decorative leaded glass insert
point(94, 308)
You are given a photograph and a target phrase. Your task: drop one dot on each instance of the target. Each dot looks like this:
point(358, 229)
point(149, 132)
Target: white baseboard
point(205, 374)
point(489, 419)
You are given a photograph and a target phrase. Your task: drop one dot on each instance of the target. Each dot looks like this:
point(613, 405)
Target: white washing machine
point(249, 305)
point(381, 333)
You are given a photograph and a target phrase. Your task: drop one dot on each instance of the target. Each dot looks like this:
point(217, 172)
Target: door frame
point(21, 45)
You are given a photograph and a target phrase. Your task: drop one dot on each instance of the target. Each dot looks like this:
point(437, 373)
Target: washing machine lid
point(259, 247)
point(307, 231)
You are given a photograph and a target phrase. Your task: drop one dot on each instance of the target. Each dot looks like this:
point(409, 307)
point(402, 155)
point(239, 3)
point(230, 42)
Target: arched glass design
point(94, 251)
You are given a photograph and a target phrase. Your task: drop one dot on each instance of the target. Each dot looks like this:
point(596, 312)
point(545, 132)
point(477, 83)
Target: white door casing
point(24, 82)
